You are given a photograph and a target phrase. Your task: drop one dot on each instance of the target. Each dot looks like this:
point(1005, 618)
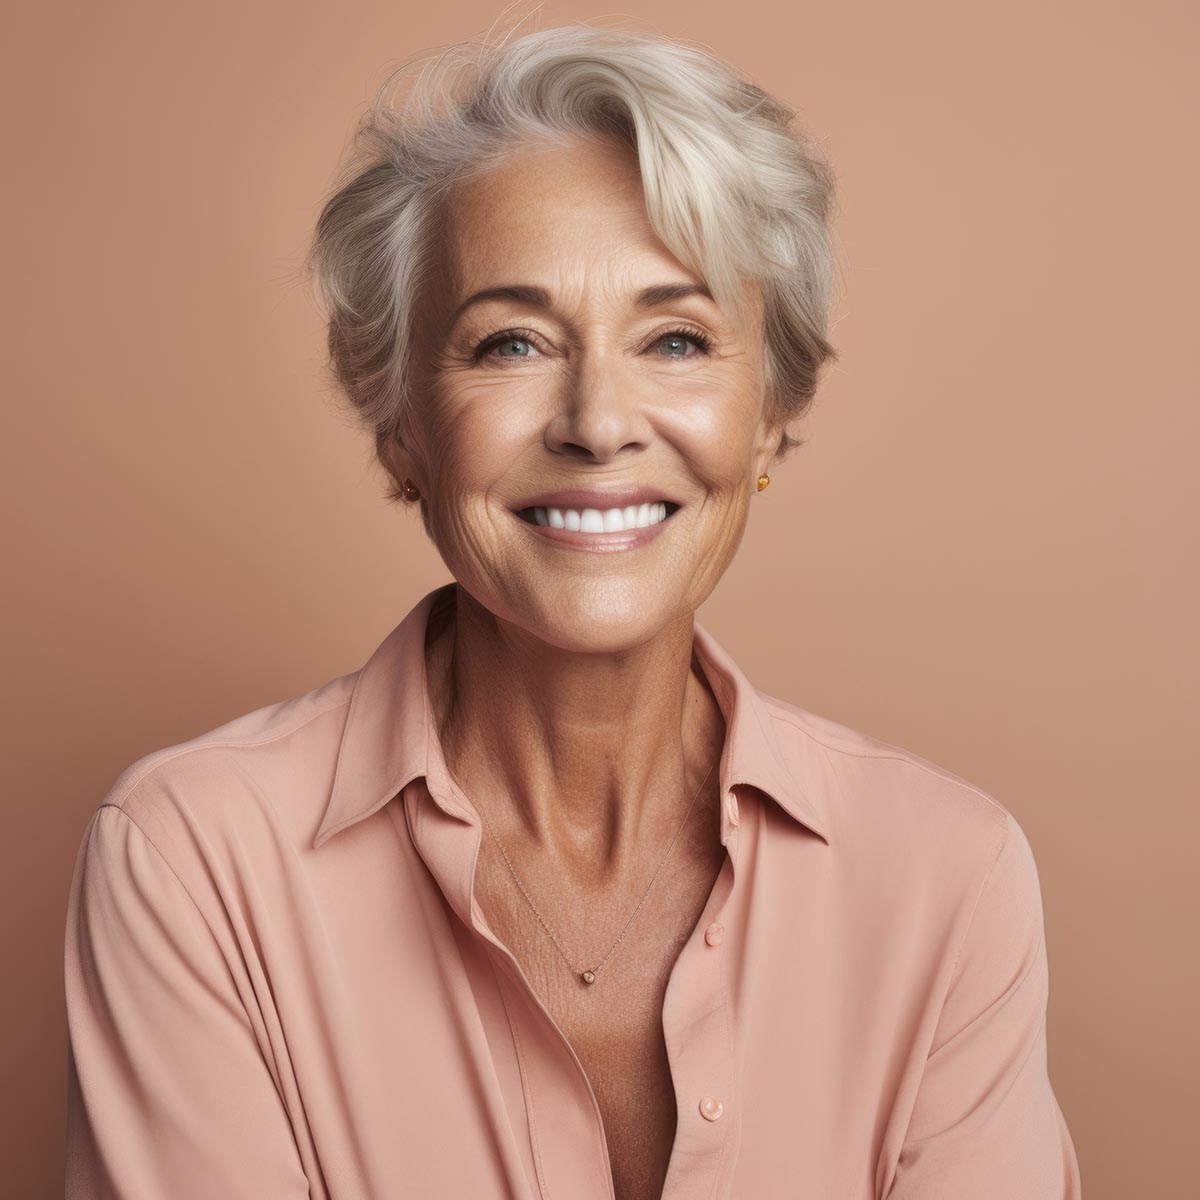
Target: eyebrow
point(525, 293)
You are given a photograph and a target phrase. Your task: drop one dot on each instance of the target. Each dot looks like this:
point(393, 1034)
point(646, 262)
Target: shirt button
point(711, 1108)
point(714, 933)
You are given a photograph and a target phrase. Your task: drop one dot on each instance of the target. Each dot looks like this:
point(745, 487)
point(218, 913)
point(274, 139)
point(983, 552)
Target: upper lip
point(617, 496)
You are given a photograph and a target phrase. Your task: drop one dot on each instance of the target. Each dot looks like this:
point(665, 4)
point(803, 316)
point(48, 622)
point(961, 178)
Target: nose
point(599, 411)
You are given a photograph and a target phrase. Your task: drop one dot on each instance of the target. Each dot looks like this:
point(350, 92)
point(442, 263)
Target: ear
point(401, 464)
point(766, 446)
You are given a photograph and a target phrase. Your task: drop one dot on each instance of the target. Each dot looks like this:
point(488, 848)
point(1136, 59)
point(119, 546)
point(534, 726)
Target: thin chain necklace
point(589, 976)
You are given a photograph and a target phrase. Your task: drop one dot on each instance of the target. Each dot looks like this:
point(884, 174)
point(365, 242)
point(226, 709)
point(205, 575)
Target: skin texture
point(566, 696)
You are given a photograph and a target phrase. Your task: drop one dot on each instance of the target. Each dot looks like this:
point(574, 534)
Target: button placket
point(701, 1040)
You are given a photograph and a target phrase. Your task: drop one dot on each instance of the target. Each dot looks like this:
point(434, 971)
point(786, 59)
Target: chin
point(596, 616)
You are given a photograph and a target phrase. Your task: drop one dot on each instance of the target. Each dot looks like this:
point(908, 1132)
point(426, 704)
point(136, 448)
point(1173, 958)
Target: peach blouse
point(279, 983)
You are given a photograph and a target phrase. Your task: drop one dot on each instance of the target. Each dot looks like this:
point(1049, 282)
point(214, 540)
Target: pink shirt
point(278, 983)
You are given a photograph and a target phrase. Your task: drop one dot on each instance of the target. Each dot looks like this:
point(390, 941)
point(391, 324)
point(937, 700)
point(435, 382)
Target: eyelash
point(702, 340)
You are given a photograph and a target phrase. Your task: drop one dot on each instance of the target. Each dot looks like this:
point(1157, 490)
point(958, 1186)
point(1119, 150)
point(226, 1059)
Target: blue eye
point(513, 341)
point(508, 337)
point(685, 335)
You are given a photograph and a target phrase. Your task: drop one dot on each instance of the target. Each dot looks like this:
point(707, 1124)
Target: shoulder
point(880, 797)
point(256, 781)
point(912, 839)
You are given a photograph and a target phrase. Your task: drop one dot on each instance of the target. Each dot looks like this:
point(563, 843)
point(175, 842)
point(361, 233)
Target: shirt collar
point(389, 738)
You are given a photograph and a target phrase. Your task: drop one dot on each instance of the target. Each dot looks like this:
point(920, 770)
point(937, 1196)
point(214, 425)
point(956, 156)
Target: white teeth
point(595, 520)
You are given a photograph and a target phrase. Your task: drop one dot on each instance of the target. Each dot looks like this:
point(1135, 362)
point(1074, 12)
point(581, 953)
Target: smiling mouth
point(595, 520)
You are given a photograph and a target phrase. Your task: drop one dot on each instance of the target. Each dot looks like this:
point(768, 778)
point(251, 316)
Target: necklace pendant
point(588, 977)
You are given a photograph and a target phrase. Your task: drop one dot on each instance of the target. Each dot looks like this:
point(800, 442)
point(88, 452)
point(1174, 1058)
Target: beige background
point(985, 553)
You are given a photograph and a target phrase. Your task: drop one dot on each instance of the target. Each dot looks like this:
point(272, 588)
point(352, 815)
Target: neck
point(591, 759)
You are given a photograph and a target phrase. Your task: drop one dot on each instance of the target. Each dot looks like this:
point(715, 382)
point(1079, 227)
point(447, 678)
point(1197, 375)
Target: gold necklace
point(589, 976)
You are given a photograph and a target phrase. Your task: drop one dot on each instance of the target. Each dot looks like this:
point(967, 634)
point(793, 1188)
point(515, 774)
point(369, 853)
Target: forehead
point(550, 207)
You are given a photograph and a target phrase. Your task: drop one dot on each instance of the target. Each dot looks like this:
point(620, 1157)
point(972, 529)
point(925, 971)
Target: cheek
point(472, 455)
point(474, 438)
point(716, 434)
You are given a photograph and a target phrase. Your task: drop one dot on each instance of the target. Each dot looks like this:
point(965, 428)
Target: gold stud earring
point(763, 480)
point(411, 491)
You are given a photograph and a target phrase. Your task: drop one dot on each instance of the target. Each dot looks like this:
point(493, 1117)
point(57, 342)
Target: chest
point(614, 1025)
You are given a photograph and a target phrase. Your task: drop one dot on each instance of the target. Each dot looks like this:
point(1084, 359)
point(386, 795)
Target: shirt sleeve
point(986, 1123)
point(168, 1092)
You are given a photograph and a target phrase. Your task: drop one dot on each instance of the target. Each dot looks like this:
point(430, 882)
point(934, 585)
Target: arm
point(168, 1093)
point(986, 1123)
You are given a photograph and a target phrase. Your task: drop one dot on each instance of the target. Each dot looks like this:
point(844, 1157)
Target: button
point(714, 933)
point(731, 807)
point(711, 1108)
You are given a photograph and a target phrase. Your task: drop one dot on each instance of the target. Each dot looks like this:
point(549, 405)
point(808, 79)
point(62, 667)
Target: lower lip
point(615, 539)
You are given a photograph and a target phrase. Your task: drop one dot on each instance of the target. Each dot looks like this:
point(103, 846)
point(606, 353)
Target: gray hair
point(731, 189)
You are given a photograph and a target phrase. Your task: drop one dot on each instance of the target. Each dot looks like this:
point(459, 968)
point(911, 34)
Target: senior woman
point(547, 899)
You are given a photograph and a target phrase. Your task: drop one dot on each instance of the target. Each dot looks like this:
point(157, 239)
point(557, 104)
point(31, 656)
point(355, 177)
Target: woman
point(547, 899)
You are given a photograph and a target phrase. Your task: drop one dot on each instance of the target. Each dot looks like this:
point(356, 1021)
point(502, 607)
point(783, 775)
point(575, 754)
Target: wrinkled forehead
point(570, 218)
point(555, 214)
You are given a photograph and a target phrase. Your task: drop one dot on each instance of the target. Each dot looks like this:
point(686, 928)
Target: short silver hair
point(732, 189)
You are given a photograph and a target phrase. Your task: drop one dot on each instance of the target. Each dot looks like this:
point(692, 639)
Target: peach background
point(982, 554)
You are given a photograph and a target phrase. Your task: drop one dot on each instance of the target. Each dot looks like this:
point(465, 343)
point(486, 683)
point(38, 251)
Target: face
point(581, 391)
